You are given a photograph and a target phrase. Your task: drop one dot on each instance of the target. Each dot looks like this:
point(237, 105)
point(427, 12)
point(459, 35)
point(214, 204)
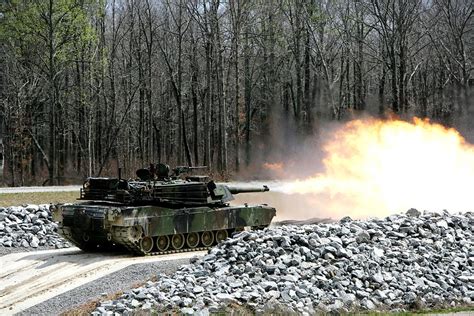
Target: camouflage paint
point(158, 221)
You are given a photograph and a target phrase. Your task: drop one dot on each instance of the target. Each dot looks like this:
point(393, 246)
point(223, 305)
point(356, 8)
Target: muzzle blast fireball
point(377, 167)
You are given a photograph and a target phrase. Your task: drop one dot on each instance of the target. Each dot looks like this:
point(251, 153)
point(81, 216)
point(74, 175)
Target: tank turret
point(161, 211)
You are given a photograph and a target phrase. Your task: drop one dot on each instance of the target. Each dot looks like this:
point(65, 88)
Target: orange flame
point(376, 168)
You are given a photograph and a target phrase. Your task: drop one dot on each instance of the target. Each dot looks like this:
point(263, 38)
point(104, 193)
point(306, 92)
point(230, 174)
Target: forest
point(88, 86)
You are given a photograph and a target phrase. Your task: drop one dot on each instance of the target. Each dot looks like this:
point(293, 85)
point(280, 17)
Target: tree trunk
point(194, 69)
point(207, 112)
point(53, 96)
point(247, 96)
point(307, 87)
point(358, 65)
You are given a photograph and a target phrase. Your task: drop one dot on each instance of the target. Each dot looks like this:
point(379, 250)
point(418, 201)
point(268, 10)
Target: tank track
point(133, 247)
point(128, 245)
point(67, 234)
point(122, 240)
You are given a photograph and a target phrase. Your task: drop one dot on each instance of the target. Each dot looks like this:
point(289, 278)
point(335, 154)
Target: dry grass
point(88, 308)
point(9, 199)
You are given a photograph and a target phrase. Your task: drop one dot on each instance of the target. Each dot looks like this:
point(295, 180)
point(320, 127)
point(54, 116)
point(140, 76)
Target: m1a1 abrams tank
point(158, 213)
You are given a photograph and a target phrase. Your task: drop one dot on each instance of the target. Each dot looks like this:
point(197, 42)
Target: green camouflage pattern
point(156, 221)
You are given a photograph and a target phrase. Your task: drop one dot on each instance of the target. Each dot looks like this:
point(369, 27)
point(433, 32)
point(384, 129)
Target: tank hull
point(155, 229)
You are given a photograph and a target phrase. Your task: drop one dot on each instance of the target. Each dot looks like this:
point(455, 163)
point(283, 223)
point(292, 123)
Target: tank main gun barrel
point(244, 189)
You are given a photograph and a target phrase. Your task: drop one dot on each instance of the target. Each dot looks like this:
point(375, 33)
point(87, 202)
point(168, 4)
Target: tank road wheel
point(162, 243)
point(177, 241)
point(207, 238)
point(146, 244)
point(86, 237)
point(134, 233)
point(221, 235)
point(192, 240)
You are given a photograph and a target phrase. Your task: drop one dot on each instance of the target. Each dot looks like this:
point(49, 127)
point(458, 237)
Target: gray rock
point(147, 306)
point(286, 296)
point(227, 298)
point(348, 298)
point(177, 300)
point(32, 208)
point(378, 252)
point(330, 249)
point(34, 242)
point(378, 277)
point(134, 303)
point(187, 311)
point(413, 213)
point(343, 253)
point(290, 278)
point(274, 294)
point(362, 294)
point(360, 274)
point(187, 301)
point(198, 289)
point(202, 312)
point(345, 219)
point(141, 295)
point(329, 256)
point(270, 268)
point(368, 304)
point(301, 292)
point(100, 311)
point(442, 224)
point(269, 285)
point(338, 304)
point(362, 237)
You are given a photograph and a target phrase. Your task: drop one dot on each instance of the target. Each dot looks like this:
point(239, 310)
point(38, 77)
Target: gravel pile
point(29, 226)
point(400, 262)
